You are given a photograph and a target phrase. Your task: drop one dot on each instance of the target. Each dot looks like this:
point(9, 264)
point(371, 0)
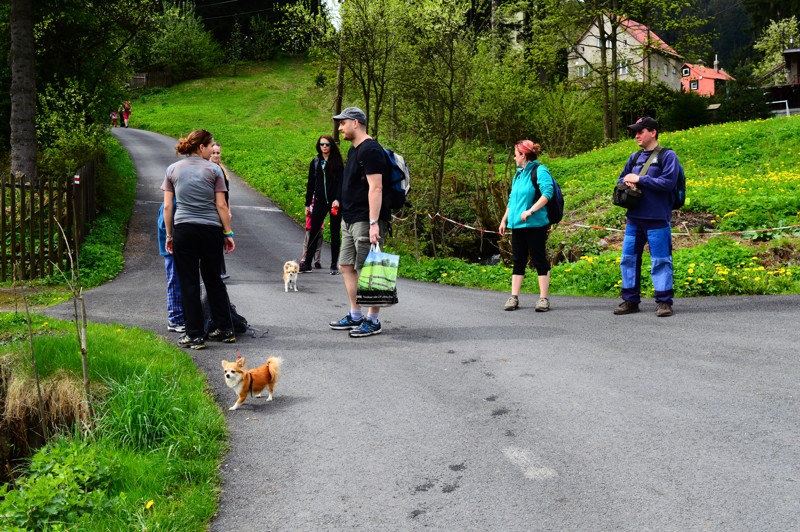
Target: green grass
point(159, 436)
point(741, 177)
point(266, 119)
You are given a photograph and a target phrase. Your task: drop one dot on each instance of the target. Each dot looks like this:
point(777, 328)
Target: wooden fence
point(32, 244)
point(147, 80)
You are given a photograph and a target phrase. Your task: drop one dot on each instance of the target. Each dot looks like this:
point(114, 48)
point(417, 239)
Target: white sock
point(355, 313)
point(372, 317)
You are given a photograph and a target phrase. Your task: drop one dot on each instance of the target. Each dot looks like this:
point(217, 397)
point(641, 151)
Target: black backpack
point(400, 180)
point(555, 207)
point(679, 193)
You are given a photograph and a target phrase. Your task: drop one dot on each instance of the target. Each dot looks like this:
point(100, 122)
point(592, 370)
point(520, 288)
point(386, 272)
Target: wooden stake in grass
point(80, 327)
point(35, 369)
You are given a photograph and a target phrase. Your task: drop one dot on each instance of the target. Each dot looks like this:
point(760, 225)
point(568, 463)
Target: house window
point(623, 67)
point(685, 72)
point(674, 72)
point(666, 70)
point(693, 84)
point(582, 71)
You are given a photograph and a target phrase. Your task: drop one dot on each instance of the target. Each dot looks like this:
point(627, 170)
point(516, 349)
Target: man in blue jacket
point(649, 222)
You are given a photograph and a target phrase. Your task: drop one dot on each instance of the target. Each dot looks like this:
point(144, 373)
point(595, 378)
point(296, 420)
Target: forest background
point(450, 84)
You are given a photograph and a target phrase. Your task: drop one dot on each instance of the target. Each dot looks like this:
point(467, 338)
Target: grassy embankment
point(741, 176)
point(148, 461)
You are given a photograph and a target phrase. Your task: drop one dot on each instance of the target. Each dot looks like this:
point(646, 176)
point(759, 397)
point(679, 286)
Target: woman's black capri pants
point(531, 241)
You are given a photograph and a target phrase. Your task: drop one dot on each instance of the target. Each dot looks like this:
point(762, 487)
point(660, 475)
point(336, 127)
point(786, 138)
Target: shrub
point(66, 479)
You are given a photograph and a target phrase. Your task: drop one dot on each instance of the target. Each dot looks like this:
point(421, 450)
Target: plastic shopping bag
point(377, 280)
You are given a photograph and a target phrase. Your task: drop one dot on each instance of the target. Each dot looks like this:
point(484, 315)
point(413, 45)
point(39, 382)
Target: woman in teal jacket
point(526, 215)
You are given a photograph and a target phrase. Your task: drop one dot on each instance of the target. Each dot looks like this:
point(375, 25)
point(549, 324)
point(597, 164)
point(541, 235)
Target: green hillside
point(742, 180)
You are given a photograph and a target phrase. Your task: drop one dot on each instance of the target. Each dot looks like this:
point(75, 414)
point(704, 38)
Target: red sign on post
point(76, 179)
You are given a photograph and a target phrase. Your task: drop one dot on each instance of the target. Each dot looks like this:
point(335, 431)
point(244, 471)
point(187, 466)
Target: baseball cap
point(352, 113)
point(644, 122)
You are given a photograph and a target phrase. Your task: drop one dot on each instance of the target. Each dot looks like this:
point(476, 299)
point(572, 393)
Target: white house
point(641, 54)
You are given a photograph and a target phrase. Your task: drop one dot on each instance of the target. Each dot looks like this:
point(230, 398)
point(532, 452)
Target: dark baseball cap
point(644, 122)
point(352, 113)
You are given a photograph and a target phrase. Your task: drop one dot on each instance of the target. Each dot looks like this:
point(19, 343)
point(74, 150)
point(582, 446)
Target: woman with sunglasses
point(323, 189)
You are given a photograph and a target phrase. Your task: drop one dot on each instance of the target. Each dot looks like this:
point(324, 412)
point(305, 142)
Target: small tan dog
point(253, 381)
point(290, 272)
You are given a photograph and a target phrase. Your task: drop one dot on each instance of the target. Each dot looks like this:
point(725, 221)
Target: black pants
point(317, 218)
point(198, 251)
point(531, 241)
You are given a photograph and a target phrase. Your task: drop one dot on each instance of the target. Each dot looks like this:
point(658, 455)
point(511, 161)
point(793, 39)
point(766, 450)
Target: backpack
point(679, 193)
point(400, 180)
point(555, 207)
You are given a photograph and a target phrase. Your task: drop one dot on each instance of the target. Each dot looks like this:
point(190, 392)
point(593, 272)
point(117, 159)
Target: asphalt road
point(461, 416)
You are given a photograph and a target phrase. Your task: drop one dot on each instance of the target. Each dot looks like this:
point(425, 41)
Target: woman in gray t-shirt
point(198, 229)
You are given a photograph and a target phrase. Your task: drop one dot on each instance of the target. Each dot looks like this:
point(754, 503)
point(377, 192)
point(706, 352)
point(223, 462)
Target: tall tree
point(438, 81)
point(369, 49)
point(23, 90)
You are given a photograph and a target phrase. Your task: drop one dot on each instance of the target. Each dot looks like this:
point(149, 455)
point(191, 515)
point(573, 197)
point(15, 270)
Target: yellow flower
point(756, 278)
point(444, 274)
point(691, 270)
point(149, 504)
point(699, 281)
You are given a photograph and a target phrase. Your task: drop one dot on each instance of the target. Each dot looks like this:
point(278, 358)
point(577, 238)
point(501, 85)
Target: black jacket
point(323, 185)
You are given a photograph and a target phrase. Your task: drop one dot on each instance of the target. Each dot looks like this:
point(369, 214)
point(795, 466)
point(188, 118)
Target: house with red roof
point(642, 56)
point(703, 80)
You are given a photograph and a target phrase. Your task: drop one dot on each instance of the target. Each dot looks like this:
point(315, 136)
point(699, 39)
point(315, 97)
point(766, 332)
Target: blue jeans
point(660, 240)
point(174, 307)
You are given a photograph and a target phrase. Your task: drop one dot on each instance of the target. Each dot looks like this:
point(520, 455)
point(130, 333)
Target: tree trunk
point(337, 104)
point(23, 91)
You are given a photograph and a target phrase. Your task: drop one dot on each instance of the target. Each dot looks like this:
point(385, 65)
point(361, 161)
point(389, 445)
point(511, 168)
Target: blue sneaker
point(367, 329)
point(346, 323)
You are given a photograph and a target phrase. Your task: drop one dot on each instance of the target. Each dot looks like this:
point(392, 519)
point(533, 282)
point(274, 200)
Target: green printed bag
point(377, 280)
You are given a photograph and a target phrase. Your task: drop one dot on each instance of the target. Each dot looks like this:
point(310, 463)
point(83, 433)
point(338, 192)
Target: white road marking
point(529, 463)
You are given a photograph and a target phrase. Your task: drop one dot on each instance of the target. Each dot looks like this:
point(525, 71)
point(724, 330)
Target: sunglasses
point(324, 143)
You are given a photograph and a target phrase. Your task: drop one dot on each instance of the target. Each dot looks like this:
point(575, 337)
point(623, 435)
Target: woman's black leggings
point(317, 218)
point(531, 241)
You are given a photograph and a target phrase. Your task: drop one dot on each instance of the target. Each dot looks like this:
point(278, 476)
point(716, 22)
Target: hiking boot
point(543, 305)
point(663, 310)
point(346, 323)
point(227, 337)
point(626, 307)
point(512, 303)
point(192, 343)
point(367, 328)
point(176, 327)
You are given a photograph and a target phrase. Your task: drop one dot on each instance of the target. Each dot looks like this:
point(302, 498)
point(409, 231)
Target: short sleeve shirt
point(367, 158)
point(195, 182)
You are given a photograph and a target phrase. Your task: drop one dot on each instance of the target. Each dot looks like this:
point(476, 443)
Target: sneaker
point(317, 266)
point(192, 343)
point(175, 327)
point(224, 275)
point(543, 305)
point(626, 307)
point(367, 328)
point(227, 337)
point(663, 310)
point(304, 268)
point(334, 271)
point(346, 323)
point(512, 303)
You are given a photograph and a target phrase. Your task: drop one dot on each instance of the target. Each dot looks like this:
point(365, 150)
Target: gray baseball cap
point(352, 113)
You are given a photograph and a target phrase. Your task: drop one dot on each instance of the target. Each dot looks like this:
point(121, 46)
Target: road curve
point(461, 416)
